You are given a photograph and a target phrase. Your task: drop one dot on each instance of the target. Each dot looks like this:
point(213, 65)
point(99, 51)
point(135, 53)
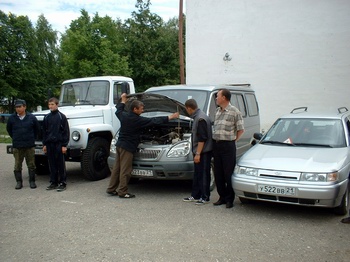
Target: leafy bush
point(4, 136)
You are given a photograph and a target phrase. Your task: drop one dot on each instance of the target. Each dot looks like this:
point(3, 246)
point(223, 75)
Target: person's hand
point(44, 149)
point(197, 158)
point(64, 150)
point(175, 115)
point(124, 98)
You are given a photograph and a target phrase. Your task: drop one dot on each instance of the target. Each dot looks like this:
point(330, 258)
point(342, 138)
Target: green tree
point(19, 60)
point(91, 47)
point(47, 44)
point(152, 47)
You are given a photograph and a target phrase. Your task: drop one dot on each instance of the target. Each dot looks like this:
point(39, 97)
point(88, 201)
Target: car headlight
point(241, 170)
point(317, 177)
point(180, 150)
point(113, 148)
point(76, 136)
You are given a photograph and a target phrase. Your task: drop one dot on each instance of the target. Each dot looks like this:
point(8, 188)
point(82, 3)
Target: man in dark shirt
point(55, 141)
point(129, 137)
point(23, 128)
point(202, 144)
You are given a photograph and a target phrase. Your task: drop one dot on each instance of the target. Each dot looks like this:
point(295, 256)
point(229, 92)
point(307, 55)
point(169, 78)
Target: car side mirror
point(258, 136)
point(125, 88)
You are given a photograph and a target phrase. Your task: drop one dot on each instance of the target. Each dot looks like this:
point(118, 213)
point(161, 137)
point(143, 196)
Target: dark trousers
point(201, 177)
point(224, 153)
point(56, 163)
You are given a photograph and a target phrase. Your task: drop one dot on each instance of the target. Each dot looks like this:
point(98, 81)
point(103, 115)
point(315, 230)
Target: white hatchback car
point(303, 159)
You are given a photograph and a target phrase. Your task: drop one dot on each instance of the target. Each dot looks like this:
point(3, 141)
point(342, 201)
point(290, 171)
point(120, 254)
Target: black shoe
point(229, 205)
point(52, 186)
point(32, 184)
point(113, 193)
point(19, 185)
point(346, 220)
point(61, 187)
point(219, 202)
point(127, 195)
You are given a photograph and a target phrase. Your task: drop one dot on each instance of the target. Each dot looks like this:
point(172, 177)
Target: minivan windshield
point(183, 95)
point(85, 93)
point(306, 132)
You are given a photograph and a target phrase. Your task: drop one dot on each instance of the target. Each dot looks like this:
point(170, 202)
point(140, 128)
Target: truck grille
point(147, 154)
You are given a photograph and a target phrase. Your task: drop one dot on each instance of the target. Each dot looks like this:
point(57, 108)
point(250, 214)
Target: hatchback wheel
point(343, 208)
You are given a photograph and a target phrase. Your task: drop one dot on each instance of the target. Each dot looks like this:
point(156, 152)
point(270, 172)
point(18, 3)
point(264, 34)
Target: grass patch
point(4, 135)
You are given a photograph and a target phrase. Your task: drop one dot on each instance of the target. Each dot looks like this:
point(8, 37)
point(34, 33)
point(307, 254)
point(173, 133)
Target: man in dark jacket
point(55, 141)
point(202, 146)
point(23, 128)
point(129, 137)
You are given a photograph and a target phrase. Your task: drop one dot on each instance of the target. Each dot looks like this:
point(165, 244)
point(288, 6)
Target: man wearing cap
point(23, 128)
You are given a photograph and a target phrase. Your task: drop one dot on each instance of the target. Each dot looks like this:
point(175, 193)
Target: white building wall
point(293, 52)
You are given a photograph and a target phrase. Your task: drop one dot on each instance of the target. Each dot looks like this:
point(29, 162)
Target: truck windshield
point(85, 93)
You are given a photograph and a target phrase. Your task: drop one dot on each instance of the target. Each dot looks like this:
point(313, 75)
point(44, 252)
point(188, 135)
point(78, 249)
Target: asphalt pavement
point(83, 223)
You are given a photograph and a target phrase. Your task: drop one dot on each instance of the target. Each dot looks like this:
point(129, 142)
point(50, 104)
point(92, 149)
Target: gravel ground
point(83, 223)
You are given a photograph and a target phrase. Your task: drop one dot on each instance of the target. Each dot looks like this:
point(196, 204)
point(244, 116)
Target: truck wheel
point(94, 161)
point(42, 165)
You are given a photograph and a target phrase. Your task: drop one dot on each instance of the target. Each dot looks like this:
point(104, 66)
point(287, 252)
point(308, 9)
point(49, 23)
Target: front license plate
point(142, 172)
point(39, 151)
point(276, 190)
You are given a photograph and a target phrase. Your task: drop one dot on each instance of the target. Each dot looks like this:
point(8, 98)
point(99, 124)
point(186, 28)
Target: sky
point(60, 13)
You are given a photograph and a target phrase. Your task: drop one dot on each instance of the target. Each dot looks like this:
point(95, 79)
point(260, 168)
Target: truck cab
point(89, 105)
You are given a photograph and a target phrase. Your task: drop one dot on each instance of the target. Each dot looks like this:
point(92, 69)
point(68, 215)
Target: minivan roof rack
point(247, 85)
point(299, 108)
point(342, 109)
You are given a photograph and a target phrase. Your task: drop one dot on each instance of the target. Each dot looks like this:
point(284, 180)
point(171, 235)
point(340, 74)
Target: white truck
point(89, 104)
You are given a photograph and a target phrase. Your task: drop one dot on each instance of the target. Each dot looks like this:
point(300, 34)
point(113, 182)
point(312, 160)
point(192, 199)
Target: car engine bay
point(170, 133)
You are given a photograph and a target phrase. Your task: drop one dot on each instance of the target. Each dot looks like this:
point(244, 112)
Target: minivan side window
point(237, 100)
point(253, 109)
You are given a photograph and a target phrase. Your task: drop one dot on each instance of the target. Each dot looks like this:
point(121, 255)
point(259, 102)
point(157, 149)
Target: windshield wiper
point(308, 144)
point(276, 142)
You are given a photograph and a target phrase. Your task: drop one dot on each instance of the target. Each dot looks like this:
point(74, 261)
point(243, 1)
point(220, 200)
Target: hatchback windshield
point(85, 93)
point(306, 132)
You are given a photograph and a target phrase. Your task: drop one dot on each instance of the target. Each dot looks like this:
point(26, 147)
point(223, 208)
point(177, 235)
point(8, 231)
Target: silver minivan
point(165, 151)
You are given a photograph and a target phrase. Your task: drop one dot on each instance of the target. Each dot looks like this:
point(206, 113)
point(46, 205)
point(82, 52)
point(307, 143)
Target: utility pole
point(181, 47)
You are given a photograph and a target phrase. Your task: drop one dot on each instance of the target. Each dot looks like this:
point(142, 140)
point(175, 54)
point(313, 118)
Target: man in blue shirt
point(23, 128)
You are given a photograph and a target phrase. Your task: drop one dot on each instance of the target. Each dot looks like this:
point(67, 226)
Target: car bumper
point(38, 150)
point(160, 170)
point(73, 154)
point(329, 195)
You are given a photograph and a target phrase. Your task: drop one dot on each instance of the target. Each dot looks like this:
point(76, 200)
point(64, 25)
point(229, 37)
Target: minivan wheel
point(212, 178)
point(343, 208)
point(134, 180)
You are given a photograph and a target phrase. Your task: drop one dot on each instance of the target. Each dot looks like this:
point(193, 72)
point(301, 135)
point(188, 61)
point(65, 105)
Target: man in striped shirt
point(228, 128)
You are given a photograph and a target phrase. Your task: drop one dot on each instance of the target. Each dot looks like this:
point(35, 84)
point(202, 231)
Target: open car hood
point(157, 103)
